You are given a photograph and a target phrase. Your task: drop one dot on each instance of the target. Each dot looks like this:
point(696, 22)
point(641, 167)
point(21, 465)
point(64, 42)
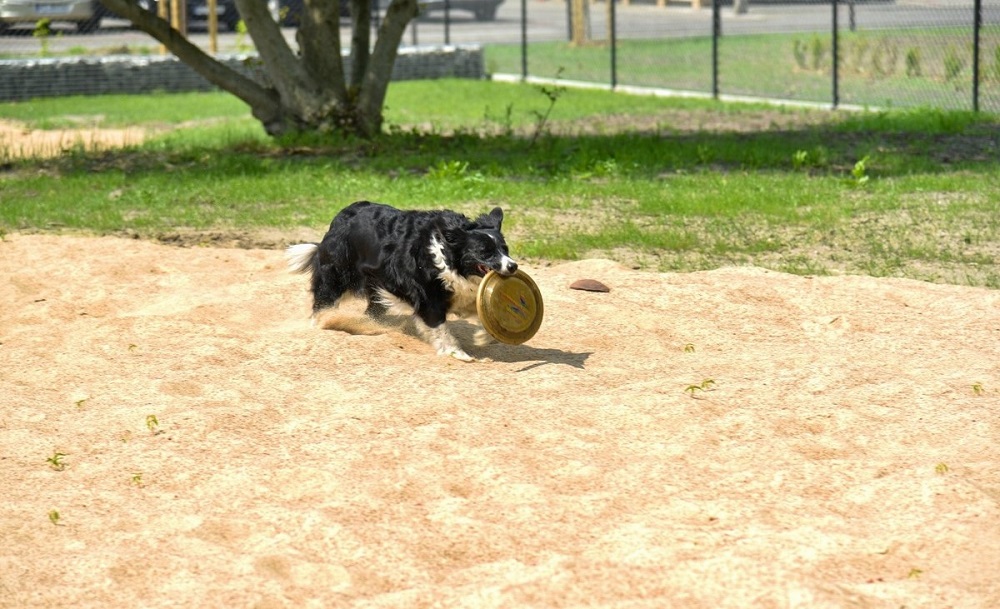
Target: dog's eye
point(489, 247)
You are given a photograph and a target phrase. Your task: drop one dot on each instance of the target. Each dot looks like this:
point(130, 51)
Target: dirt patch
point(17, 140)
point(845, 453)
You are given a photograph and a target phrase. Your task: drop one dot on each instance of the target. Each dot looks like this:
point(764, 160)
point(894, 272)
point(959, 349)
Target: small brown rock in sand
point(589, 285)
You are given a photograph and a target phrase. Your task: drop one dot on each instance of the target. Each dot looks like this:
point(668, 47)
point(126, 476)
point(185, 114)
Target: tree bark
point(319, 44)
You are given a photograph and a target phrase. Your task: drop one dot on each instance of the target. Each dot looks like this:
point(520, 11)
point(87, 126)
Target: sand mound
point(732, 438)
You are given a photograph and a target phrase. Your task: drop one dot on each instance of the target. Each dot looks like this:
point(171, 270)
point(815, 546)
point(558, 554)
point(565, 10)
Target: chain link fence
point(877, 53)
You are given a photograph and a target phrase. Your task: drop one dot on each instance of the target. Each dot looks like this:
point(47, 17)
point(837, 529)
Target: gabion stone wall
point(22, 79)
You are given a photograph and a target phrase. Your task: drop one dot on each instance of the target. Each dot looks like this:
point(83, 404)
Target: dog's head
point(479, 246)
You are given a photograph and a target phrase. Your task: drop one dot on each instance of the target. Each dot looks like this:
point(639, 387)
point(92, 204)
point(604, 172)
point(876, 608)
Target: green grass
point(116, 111)
point(633, 178)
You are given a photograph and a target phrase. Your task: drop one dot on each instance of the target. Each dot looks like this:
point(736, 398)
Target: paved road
point(547, 21)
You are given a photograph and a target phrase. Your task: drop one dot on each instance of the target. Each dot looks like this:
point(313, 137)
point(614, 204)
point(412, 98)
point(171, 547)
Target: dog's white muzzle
point(507, 266)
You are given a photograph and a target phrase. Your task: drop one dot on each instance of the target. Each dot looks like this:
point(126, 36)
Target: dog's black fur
point(431, 261)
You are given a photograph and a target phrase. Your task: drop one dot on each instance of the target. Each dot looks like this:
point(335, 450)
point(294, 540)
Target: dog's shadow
point(512, 354)
point(353, 322)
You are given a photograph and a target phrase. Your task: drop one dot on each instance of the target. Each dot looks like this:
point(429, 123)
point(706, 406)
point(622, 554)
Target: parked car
point(483, 10)
point(225, 10)
point(197, 12)
point(86, 14)
point(288, 12)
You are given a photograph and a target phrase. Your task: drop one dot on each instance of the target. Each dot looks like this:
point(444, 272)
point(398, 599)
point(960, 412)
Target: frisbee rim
point(492, 324)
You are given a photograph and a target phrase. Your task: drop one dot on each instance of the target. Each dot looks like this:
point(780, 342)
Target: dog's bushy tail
point(301, 257)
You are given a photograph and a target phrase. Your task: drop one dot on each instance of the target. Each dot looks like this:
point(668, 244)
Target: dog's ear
point(491, 220)
point(453, 235)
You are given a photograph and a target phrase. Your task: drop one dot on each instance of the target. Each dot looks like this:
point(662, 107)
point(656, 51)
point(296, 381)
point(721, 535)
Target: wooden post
point(579, 23)
point(161, 12)
point(213, 27)
point(178, 16)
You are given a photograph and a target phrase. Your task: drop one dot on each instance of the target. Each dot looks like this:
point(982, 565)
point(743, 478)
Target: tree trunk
point(361, 29)
point(305, 91)
point(376, 81)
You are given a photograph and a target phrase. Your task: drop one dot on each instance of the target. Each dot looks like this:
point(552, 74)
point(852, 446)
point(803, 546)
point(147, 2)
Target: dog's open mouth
point(482, 269)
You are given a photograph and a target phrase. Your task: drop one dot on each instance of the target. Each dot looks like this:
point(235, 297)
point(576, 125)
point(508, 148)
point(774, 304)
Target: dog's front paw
point(460, 355)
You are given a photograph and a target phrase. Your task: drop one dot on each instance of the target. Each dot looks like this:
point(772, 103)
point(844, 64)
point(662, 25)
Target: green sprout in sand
point(705, 385)
point(56, 461)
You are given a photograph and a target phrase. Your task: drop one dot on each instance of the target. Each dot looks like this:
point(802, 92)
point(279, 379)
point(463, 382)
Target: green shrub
point(954, 65)
point(859, 52)
point(913, 63)
point(884, 58)
point(799, 51)
point(818, 51)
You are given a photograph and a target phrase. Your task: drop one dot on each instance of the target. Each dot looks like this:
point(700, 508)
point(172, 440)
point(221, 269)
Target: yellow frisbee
point(510, 308)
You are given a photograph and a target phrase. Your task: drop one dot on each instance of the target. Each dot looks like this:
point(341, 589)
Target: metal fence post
point(612, 35)
point(569, 20)
point(524, 39)
point(977, 26)
point(447, 22)
point(716, 34)
point(836, 56)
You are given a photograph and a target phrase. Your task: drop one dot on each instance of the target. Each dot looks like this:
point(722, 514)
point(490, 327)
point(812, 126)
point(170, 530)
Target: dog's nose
point(507, 266)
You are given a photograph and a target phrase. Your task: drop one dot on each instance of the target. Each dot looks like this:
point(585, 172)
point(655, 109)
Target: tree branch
point(284, 69)
point(263, 102)
point(383, 57)
point(361, 26)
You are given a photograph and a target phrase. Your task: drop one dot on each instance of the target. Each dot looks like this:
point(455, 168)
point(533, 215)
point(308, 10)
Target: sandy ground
point(846, 452)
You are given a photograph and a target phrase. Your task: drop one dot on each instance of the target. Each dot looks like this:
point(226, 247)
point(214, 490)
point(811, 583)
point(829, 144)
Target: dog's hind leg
point(329, 284)
point(376, 310)
point(327, 288)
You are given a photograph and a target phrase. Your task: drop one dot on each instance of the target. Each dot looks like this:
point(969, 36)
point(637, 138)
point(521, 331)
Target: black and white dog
point(428, 263)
